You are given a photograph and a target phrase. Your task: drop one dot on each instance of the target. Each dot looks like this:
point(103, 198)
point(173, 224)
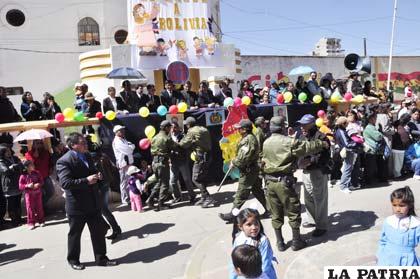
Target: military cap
point(244, 124)
point(165, 123)
point(189, 121)
point(260, 120)
point(277, 123)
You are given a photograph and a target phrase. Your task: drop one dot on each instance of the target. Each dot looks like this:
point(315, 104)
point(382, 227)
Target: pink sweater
point(33, 177)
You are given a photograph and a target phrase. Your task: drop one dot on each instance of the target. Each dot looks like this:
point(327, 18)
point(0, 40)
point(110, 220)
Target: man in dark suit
point(130, 98)
point(170, 96)
point(150, 100)
point(112, 102)
point(78, 177)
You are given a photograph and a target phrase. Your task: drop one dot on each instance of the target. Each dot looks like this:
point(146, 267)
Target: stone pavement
point(191, 242)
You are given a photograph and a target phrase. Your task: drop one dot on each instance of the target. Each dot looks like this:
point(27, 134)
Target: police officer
point(315, 178)
point(162, 144)
point(247, 156)
point(279, 159)
point(198, 139)
point(260, 131)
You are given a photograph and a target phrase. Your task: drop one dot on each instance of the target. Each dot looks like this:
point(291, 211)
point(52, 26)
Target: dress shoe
point(77, 266)
point(107, 262)
point(115, 234)
point(318, 232)
point(227, 217)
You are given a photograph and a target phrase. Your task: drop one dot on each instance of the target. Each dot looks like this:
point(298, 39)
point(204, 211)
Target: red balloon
point(348, 96)
point(99, 115)
point(59, 117)
point(237, 102)
point(321, 113)
point(144, 144)
point(280, 99)
point(173, 109)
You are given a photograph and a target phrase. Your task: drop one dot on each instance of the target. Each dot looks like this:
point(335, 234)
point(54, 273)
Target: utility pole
point(364, 47)
point(392, 45)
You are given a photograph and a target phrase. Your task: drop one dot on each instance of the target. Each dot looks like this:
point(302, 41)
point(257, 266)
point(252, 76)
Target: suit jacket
point(93, 109)
point(81, 198)
point(107, 104)
point(131, 100)
point(174, 99)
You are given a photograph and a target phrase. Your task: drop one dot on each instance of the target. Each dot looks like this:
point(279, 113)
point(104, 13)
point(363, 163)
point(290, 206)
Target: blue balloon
point(162, 110)
point(224, 140)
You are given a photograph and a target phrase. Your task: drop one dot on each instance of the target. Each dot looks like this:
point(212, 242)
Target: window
point(120, 36)
point(88, 32)
point(15, 17)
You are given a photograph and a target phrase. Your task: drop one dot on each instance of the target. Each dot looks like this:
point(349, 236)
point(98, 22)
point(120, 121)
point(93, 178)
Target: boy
point(247, 262)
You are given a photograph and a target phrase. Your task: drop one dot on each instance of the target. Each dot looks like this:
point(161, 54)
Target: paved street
point(190, 242)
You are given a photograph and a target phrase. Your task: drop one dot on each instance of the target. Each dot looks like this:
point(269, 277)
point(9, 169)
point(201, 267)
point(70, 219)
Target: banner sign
point(371, 272)
point(169, 30)
point(214, 118)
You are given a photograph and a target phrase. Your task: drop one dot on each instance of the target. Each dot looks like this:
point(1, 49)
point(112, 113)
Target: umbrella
point(301, 70)
point(125, 73)
point(33, 134)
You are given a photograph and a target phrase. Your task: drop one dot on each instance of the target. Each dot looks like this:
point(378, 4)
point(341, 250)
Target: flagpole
point(392, 46)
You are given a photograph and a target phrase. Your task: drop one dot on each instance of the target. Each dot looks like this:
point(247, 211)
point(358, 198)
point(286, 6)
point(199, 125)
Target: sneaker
point(346, 191)
point(416, 177)
point(42, 224)
point(209, 202)
point(352, 188)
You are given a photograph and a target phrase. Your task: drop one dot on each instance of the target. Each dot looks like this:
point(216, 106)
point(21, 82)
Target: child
point(135, 188)
point(400, 232)
point(252, 233)
point(247, 262)
point(31, 182)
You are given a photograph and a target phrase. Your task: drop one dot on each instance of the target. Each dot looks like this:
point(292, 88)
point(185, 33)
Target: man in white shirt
point(123, 151)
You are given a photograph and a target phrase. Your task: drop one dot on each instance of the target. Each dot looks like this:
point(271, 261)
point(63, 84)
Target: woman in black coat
point(10, 170)
point(31, 110)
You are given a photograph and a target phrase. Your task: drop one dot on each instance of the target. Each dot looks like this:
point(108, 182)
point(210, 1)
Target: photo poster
point(176, 117)
point(281, 111)
point(164, 31)
point(216, 117)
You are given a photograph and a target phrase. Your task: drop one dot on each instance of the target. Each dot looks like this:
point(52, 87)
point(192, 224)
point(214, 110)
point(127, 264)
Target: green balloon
point(302, 97)
point(79, 116)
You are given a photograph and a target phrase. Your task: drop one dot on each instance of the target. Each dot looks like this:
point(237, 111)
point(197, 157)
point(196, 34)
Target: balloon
point(348, 96)
point(237, 102)
point(321, 113)
point(193, 156)
point(317, 99)
point(99, 115)
point(302, 97)
point(335, 99)
point(162, 110)
point(182, 107)
point(246, 100)
point(68, 113)
point(144, 144)
point(359, 99)
point(280, 99)
point(173, 109)
point(228, 102)
point(110, 115)
point(288, 96)
point(93, 138)
point(79, 116)
point(144, 112)
point(150, 131)
point(319, 122)
point(59, 117)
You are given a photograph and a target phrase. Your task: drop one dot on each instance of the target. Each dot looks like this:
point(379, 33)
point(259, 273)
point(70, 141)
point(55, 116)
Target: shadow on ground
point(15, 255)
point(344, 223)
point(142, 232)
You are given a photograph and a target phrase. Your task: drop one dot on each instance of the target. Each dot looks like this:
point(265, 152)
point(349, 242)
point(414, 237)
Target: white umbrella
point(33, 134)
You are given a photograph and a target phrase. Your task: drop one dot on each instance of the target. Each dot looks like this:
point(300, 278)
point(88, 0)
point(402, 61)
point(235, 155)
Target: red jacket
point(42, 162)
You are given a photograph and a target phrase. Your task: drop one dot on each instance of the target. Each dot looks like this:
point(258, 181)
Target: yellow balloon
point(319, 122)
point(182, 107)
point(93, 138)
point(193, 157)
point(335, 99)
point(68, 113)
point(317, 99)
point(144, 112)
point(110, 115)
point(246, 100)
point(288, 96)
point(150, 131)
point(358, 99)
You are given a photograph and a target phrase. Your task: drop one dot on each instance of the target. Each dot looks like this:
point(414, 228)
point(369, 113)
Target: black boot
point(297, 242)
point(281, 246)
point(115, 233)
point(227, 217)
point(161, 206)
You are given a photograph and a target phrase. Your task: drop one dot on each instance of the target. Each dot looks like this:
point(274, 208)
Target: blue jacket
point(413, 152)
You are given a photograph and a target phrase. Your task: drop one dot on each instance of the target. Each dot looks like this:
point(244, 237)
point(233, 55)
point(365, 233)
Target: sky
point(278, 27)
